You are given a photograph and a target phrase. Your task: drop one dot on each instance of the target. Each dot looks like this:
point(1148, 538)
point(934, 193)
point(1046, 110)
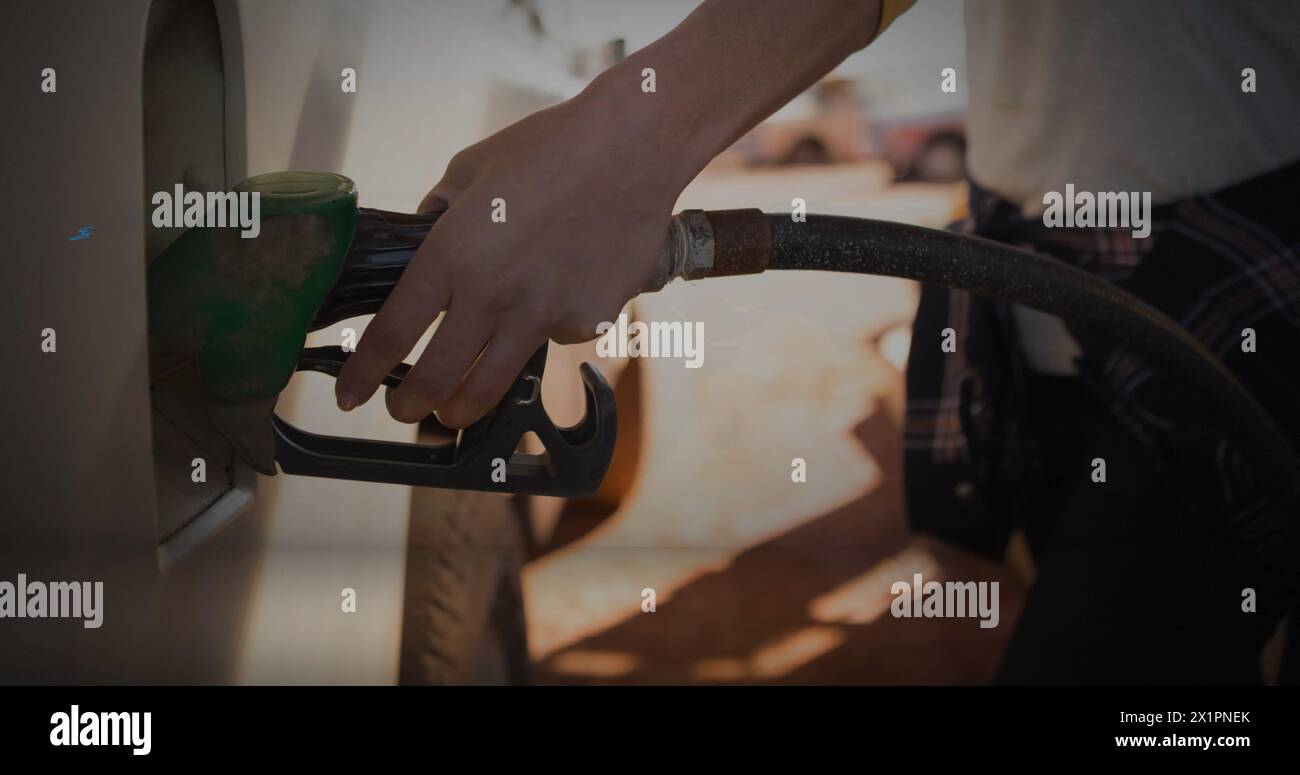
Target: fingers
point(452, 350)
point(491, 377)
point(405, 316)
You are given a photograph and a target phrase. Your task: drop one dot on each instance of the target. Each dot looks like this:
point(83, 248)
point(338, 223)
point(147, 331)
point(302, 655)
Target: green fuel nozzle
point(231, 315)
point(245, 304)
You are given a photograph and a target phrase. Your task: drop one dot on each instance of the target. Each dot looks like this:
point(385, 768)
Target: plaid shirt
point(1216, 263)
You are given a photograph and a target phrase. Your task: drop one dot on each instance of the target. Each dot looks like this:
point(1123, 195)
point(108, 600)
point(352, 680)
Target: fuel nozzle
point(231, 316)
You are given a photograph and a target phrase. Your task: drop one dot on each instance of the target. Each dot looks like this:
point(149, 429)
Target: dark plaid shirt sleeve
point(1217, 263)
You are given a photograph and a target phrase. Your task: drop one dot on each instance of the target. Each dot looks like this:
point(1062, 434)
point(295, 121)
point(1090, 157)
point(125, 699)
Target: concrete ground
point(755, 577)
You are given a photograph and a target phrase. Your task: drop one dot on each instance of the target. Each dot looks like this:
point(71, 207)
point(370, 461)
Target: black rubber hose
point(994, 270)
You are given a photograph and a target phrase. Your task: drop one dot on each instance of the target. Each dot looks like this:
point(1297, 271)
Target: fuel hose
point(732, 242)
point(720, 243)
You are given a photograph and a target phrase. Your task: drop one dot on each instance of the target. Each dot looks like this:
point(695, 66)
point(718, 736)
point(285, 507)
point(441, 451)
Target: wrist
point(654, 118)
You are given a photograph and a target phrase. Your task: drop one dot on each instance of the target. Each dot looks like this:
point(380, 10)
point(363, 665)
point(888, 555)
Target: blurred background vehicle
point(831, 124)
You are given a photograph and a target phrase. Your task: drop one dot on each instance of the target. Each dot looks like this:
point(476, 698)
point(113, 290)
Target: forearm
point(725, 68)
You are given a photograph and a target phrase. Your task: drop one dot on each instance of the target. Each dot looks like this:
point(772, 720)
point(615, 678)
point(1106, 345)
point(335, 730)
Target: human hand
point(550, 226)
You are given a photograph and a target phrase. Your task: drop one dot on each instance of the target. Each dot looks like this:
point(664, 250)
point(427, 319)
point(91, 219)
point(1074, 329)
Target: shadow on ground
point(808, 606)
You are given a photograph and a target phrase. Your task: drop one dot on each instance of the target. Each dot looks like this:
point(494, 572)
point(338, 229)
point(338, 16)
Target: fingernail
point(347, 401)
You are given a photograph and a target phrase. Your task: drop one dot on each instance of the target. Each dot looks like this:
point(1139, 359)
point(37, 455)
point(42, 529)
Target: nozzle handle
point(382, 245)
point(700, 243)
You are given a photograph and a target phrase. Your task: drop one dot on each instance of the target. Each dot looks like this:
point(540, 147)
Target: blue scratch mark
point(83, 233)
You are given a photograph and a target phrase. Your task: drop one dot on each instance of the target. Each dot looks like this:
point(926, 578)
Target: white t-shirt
point(1140, 95)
